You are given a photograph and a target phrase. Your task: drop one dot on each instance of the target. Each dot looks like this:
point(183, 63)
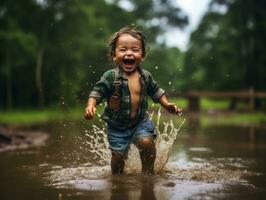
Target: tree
point(227, 50)
point(19, 46)
point(54, 50)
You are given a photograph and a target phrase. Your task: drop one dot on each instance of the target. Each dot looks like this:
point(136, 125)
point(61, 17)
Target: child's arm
point(99, 92)
point(90, 109)
point(158, 95)
point(170, 107)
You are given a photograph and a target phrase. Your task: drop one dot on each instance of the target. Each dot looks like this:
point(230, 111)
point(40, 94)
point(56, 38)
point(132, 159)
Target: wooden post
point(233, 103)
point(251, 99)
point(193, 103)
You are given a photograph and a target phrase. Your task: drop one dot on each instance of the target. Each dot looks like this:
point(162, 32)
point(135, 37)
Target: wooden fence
point(249, 96)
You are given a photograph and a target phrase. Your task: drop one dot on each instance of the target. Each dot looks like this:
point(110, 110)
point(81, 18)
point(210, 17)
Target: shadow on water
point(220, 162)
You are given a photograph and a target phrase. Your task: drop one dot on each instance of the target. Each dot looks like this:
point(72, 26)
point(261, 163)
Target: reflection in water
point(210, 163)
point(181, 178)
point(188, 172)
point(222, 170)
point(141, 188)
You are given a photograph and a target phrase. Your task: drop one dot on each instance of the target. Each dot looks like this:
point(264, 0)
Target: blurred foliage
point(227, 50)
point(53, 51)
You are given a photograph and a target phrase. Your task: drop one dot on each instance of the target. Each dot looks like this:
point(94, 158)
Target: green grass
point(180, 102)
point(214, 104)
point(32, 116)
point(29, 116)
point(204, 103)
point(233, 118)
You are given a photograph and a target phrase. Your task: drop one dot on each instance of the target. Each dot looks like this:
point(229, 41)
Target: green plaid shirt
point(121, 118)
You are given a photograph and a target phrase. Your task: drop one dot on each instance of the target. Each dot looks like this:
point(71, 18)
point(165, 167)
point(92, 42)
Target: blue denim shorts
point(119, 141)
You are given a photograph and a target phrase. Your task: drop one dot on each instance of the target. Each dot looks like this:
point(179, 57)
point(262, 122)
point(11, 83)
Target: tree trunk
point(8, 80)
point(39, 85)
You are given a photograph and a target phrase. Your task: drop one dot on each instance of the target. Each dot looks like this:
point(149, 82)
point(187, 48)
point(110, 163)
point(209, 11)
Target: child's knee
point(145, 143)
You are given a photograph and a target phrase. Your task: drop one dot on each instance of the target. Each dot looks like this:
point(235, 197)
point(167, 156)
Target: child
point(126, 88)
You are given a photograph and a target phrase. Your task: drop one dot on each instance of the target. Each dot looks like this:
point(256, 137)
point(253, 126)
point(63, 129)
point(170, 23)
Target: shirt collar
point(121, 74)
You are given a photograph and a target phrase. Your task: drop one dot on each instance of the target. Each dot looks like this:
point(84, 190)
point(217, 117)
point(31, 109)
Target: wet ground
point(215, 162)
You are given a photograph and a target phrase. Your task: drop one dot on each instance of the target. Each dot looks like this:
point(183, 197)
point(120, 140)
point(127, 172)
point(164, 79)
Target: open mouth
point(129, 61)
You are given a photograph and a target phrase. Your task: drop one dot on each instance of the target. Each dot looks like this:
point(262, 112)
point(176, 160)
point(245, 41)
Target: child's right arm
point(100, 91)
point(90, 109)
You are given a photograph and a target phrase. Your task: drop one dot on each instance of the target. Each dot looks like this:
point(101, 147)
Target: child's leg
point(119, 142)
point(147, 152)
point(117, 163)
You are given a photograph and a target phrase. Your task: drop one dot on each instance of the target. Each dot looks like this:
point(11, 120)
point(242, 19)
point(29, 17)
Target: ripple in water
point(98, 168)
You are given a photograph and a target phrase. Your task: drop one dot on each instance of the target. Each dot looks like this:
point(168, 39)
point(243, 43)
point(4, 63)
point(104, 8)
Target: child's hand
point(89, 112)
point(172, 108)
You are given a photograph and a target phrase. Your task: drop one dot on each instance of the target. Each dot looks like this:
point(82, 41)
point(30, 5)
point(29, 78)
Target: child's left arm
point(170, 107)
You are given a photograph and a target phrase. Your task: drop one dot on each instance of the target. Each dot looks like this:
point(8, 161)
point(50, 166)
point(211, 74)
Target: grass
point(214, 104)
point(205, 103)
point(29, 116)
point(32, 116)
point(233, 118)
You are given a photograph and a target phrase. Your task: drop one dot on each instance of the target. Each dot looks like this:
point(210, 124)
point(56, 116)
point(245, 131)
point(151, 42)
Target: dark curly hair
point(131, 30)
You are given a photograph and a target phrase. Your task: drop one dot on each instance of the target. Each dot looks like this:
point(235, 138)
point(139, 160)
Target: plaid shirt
point(121, 118)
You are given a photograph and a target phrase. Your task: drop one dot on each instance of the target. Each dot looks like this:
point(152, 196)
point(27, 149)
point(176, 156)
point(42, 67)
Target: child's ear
point(114, 59)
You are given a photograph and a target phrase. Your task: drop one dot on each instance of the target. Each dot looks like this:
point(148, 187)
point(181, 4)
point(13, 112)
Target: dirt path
point(11, 139)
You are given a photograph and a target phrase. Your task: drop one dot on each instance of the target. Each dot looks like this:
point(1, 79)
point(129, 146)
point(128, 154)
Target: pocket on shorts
point(149, 126)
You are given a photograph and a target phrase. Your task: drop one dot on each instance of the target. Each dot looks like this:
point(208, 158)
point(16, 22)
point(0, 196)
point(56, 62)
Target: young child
point(126, 88)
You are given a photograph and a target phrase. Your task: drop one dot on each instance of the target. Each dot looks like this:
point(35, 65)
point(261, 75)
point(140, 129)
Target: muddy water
point(216, 162)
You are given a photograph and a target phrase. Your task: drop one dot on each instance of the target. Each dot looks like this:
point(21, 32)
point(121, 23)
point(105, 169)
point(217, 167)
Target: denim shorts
point(120, 140)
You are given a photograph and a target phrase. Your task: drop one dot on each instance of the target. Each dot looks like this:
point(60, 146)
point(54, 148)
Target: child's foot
point(148, 173)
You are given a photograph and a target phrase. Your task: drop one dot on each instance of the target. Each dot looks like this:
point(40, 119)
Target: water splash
point(96, 167)
point(97, 144)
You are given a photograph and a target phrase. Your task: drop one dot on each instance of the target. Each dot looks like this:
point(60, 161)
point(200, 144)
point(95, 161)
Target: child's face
point(128, 53)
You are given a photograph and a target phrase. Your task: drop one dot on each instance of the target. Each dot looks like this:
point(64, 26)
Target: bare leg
point(147, 152)
point(117, 163)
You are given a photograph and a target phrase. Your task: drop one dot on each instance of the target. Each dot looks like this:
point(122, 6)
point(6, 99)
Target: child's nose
point(129, 52)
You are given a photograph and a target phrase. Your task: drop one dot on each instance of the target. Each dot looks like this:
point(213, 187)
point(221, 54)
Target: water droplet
point(156, 67)
point(169, 82)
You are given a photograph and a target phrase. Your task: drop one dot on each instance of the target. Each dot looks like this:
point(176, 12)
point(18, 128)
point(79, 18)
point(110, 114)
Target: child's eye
point(122, 50)
point(135, 50)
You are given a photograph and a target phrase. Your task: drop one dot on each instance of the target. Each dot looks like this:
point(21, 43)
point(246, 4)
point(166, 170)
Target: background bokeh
point(53, 51)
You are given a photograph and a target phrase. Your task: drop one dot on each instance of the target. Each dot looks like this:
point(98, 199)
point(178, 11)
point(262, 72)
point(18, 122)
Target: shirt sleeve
point(154, 91)
point(102, 88)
